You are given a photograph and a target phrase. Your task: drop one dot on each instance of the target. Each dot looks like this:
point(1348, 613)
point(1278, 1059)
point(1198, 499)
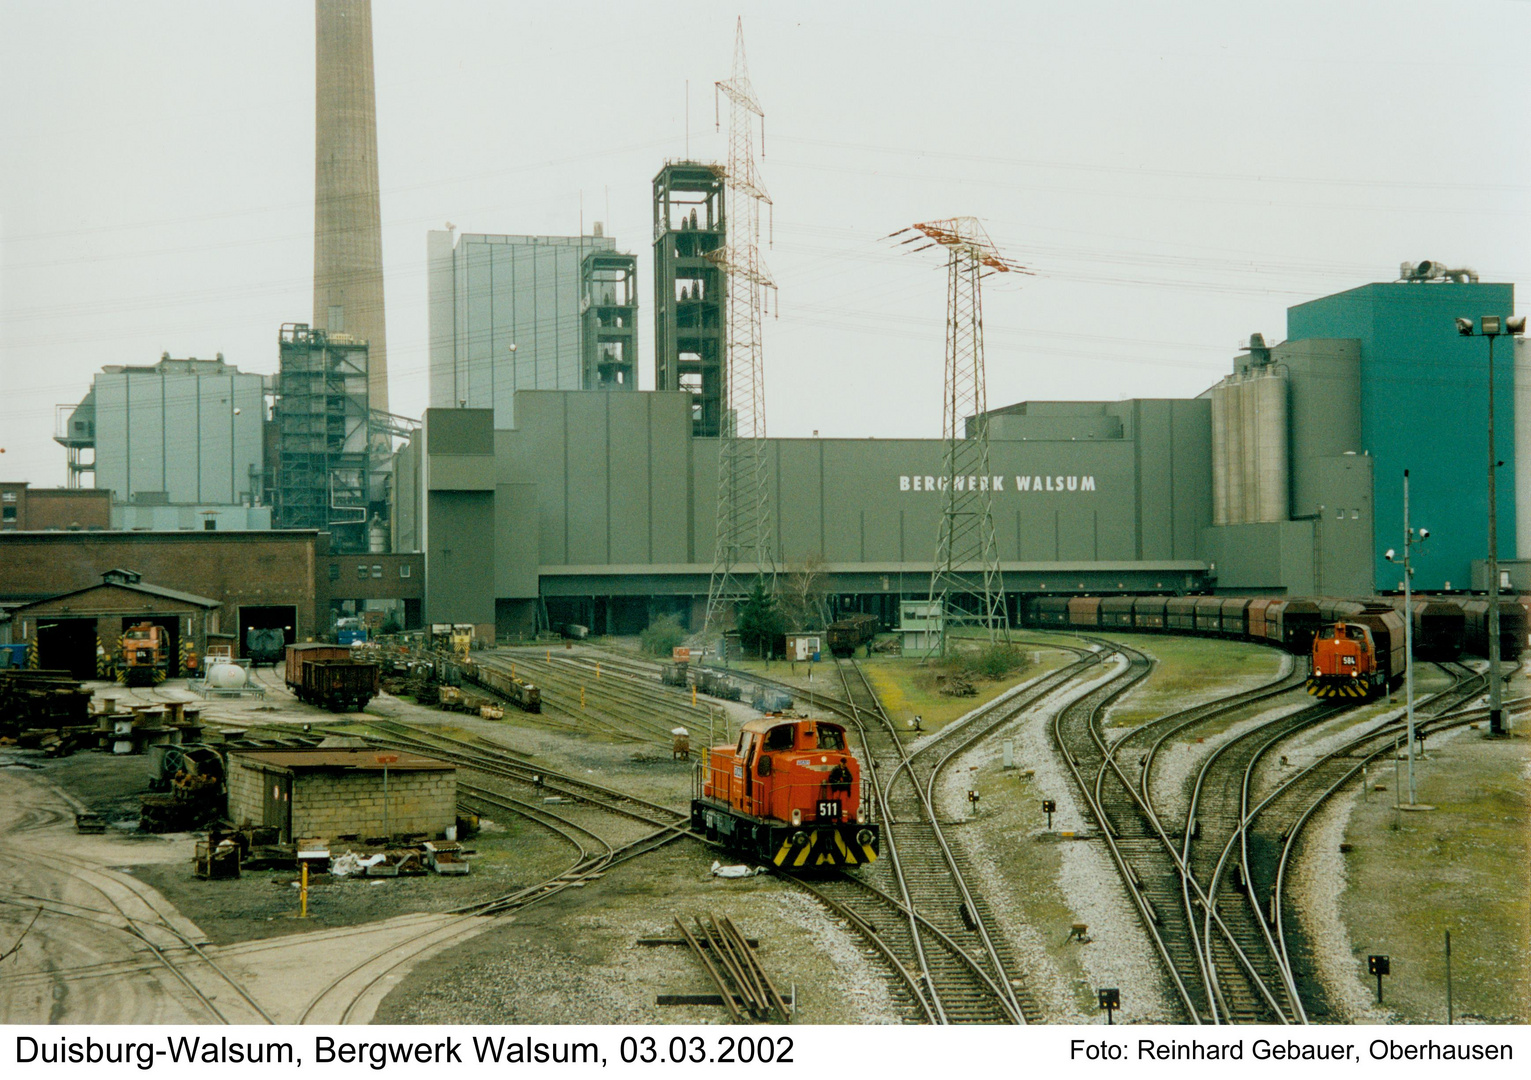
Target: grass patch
point(1190, 670)
point(1460, 867)
point(910, 688)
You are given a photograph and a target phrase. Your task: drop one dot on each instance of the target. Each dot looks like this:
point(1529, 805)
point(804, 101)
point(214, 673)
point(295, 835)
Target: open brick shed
point(339, 792)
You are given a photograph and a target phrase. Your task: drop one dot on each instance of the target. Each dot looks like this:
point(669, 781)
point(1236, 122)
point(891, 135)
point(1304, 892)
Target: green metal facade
point(612, 495)
point(1424, 407)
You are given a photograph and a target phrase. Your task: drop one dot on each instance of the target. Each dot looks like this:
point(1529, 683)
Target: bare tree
point(804, 594)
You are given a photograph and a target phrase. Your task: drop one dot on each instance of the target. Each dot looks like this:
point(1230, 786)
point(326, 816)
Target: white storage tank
point(226, 677)
point(1220, 453)
point(1269, 393)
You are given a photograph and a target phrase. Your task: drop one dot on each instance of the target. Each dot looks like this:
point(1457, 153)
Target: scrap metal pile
point(44, 710)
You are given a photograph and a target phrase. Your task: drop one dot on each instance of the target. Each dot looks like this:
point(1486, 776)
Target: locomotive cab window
point(780, 738)
point(831, 738)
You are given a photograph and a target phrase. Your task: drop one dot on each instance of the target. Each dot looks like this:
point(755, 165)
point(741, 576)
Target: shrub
point(994, 662)
point(663, 635)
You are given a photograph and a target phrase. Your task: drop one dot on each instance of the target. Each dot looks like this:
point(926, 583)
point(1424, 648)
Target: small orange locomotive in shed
point(789, 793)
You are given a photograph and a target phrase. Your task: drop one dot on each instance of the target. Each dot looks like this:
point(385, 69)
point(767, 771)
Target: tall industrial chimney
point(348, 235)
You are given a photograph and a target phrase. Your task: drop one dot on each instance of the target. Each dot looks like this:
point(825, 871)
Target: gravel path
point(1177, 763)
point(1319, 879)
point(1119, 953)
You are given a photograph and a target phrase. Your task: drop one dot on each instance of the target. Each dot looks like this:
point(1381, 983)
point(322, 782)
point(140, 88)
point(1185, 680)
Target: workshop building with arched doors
point(81, 630)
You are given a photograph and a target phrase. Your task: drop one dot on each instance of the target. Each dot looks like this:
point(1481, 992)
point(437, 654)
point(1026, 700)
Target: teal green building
point(1423, 395)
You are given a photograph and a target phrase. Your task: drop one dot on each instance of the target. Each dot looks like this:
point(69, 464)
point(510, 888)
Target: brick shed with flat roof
point(332, 793)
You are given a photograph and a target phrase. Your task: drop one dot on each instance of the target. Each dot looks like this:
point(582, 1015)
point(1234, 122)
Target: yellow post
point(512, 671)
point(303, 894)
point(550, 656)
point(581, 697)
point(597, 669)
point(693, 696)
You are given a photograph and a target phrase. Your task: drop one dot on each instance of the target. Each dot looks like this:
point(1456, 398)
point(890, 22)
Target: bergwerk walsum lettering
point(1024, 484)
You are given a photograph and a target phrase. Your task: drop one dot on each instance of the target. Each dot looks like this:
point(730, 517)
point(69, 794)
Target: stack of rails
point(735, 969)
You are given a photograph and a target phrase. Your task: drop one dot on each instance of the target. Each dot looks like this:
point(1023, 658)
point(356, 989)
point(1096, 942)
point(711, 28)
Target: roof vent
point(1430, 270)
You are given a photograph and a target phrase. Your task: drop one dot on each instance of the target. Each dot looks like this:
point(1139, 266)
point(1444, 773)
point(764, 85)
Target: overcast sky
point(1177, 175)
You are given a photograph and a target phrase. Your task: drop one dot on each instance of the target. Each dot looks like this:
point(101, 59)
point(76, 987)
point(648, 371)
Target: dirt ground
point(574, 958)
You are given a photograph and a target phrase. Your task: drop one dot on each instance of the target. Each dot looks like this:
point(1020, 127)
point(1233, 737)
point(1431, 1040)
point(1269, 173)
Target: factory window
point(334, 571)
point(9, 496)
point(361, 571)
point(404, 569)
point(1355, 515)
point(377, 569)
point(1340, 513)
point(8, 513)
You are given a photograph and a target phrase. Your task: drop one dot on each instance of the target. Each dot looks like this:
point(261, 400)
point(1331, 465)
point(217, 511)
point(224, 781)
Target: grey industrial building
point(690, 305)
point(599, 508)
point(182, 432)
point(510, 313)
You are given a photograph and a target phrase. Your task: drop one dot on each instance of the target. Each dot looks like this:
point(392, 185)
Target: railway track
point(1226, 960)
point(956, 967)
point(133, 910)
point(1205, 958)
point(519, 788)
point(1276, 813)
point(613, 701)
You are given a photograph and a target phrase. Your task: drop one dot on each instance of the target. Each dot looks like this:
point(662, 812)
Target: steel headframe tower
point(745, 546)
point(966, 588)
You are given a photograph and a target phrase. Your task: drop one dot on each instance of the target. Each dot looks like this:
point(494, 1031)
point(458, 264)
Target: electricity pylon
point(966, 586)
point(744, 548)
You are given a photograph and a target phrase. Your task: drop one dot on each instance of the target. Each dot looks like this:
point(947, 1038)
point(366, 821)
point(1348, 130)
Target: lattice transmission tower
point(744, 548)
point(966, 586)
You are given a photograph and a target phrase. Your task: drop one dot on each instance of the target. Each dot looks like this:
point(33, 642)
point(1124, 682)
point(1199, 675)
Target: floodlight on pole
point(1491, 327)
point(1410, 538)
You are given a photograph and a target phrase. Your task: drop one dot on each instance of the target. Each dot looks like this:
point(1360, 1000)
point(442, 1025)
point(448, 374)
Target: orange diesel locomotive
point(1347, 662)
point(789, 794)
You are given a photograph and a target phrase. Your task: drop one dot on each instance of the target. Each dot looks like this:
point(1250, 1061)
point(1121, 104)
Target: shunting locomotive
point(788, 793)
point(1348, 663)
point(145, 655)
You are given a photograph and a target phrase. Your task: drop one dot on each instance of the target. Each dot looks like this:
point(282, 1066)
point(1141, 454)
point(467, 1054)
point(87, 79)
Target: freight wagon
point(338, 685)
point(310, 650)
point(1444, 627)
point(1512, 627)
point(514, 689)
point(846, 634)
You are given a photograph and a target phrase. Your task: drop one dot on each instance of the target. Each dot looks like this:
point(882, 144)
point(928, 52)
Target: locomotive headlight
point(864, 837)
point(797, 817)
